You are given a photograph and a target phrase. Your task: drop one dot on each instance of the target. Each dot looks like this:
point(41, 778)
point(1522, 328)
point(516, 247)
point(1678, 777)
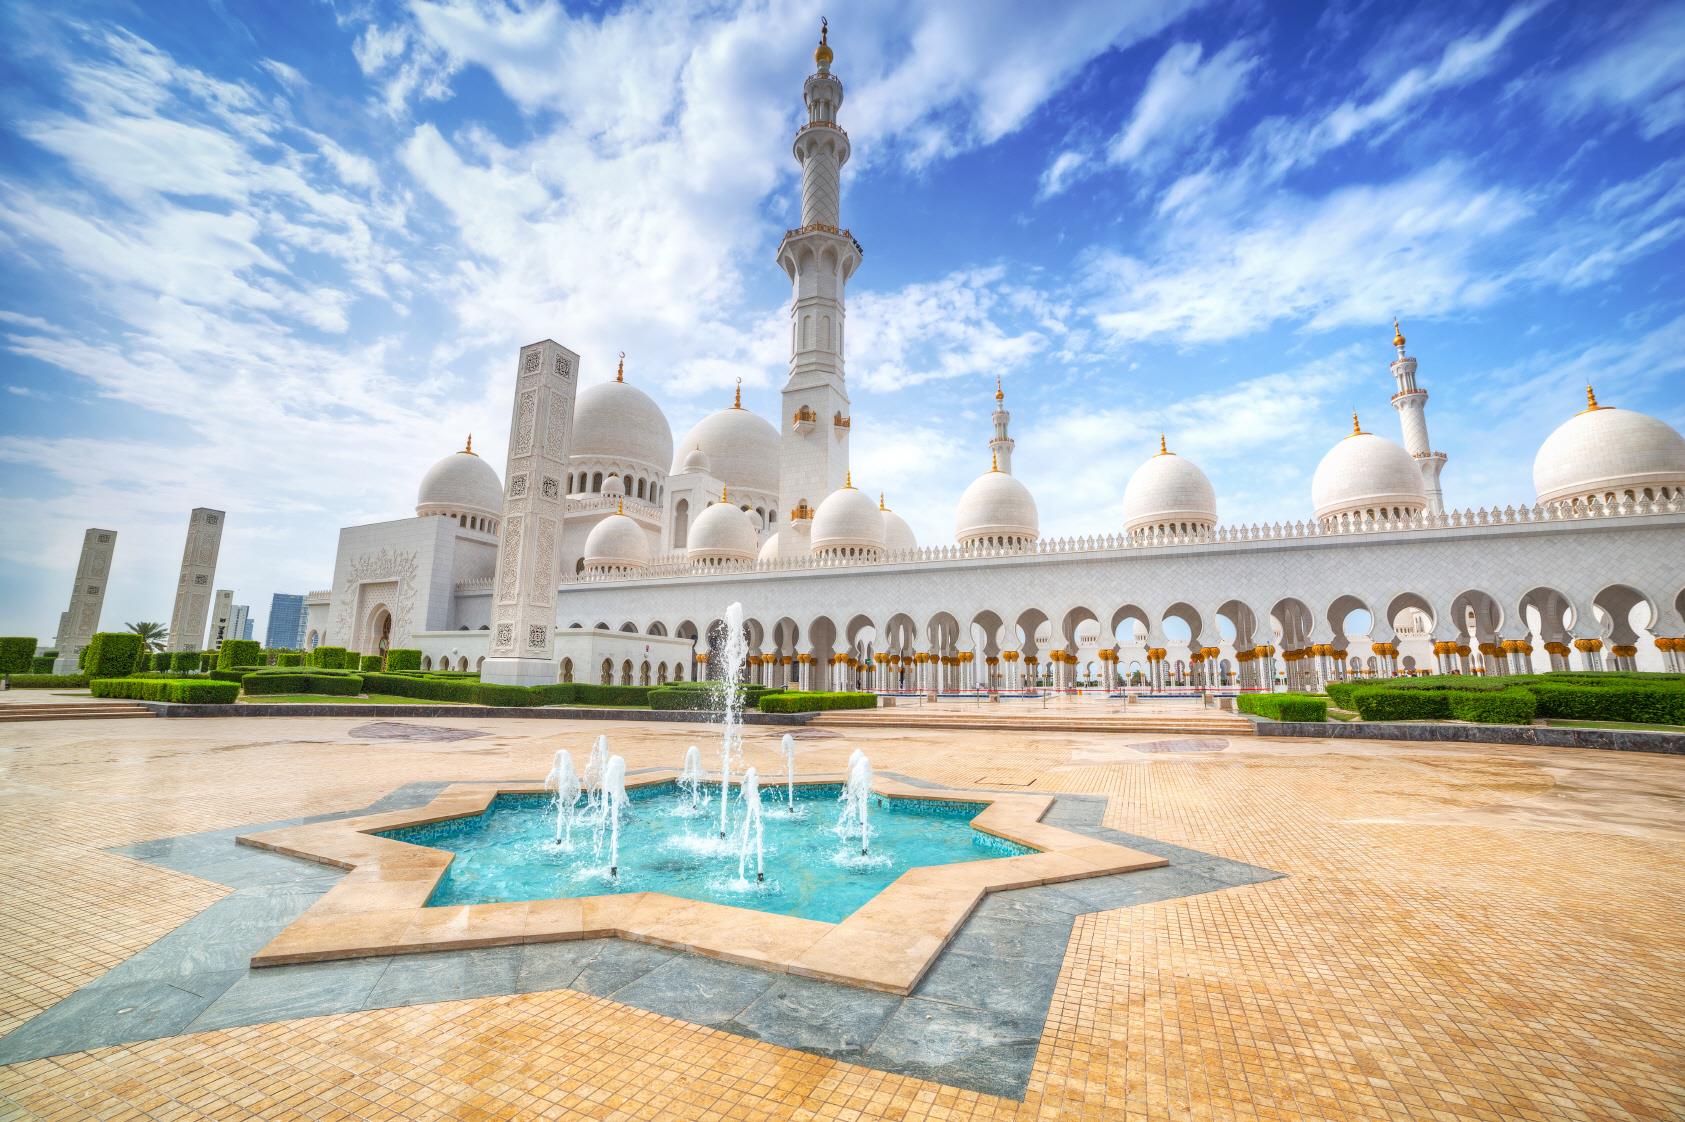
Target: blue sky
point(278, 258)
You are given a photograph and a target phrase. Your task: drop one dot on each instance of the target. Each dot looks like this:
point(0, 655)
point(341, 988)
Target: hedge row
point(47, 681)
point(112, 654)
point(200, 691)
point(1518, 699)
point(808, 702)
point(238, 652)
point(331, 658)
point(1283, 706)
point(303, 681)
point(17, 652)
point(428, 688)
point(702, 695)
point(41, 664)
point(403, 658)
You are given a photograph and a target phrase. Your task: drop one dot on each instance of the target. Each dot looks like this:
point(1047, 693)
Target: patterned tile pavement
point(1465, 932)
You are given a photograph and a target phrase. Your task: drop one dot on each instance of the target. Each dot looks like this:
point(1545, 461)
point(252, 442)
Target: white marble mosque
point(658, 536)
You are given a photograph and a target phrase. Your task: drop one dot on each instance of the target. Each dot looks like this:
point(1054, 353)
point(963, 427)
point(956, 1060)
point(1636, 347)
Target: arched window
point(641, 483)
point(479, 663)
point(567, 669)
point(597, 481)
point(608, 672)
point(643, 674)
point(427, 662)
point(678, 672)
point(626, 673)
point(661, 674)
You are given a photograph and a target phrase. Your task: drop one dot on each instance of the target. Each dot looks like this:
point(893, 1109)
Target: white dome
point(769, 548)
point(996, 506)
point(723, 532)
point(1168, 489)
point(695, 460)
point(461, 483)
point(614, 487)
point(617, 421)
point(616, 542)
point(897, 535)
point(1366, 473)
point(742, 449)
point(1603, 451)
point(848, 521)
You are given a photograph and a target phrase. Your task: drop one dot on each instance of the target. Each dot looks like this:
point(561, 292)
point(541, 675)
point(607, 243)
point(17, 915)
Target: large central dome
point(618, 421)
point(461, 483)
point(996, 511)
point(1168, 493)
point(742, 450)
point(1607, 453)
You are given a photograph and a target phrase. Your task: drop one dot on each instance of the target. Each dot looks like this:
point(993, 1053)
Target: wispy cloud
point(1641, 75)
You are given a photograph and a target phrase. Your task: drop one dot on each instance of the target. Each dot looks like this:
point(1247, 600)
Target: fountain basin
point(508, 854)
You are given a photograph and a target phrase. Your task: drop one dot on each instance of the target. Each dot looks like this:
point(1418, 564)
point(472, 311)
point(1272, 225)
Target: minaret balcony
point(832, 125)
point(805, 419)
point(819, 232)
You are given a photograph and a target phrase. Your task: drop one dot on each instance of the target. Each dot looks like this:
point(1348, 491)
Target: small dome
point(769, 548)
point(996, 510)
point(897, 535)
point(1168, 490)
point(742, 449)
point(848, 522)
point(1605, 451)
point(614, 487)
point(723, 532)
point(616, 542)
point(461, 483)
point(1366, 475)
point(617, 421)
point(696, 460)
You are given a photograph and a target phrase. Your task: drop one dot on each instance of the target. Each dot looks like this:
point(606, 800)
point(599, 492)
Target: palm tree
point(152, 635)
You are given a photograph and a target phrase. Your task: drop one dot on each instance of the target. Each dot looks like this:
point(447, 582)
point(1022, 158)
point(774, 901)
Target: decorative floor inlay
point(403, 730)
point(974, 1020)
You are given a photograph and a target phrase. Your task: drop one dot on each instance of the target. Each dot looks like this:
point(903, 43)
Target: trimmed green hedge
point(1625, 700)
point(47, 681)
point(16, 653)
point(1384, 703)
point(700, 695)
point(198, 691)
point(1340, 693)
point(1641, 698)
point(369, 663)
point(333, 658)
point(808, 702)
point(41, 664)
point(427, 688)
point(403, 658)
point(112, 654)
point(423, 689)
point(1284, 706)
point(237, 652)
point(301, 681)
point(1513, 706)
point(289, 658)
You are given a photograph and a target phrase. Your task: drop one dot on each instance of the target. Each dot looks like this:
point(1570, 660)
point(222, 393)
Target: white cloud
point(1641, 74)
point(1183, 98)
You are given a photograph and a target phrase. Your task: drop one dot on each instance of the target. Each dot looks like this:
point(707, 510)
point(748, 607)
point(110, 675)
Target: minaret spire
point(1411, 402)
point(818, 256)
point(1001, 444)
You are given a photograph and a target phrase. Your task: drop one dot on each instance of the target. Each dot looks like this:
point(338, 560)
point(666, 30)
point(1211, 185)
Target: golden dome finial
point(620, 506)
point(880, 501)
point(725, 493)
point(1356, 429)
point(822, 54)
point(848, 480)
point(1397, 333)
point(470, 446)
point(737, 402)
point(994, 461)
point(1163, 449)
point(620, 374)
point(1000, 394)
point(1591, 399)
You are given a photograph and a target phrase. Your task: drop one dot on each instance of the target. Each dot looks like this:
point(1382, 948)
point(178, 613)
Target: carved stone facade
point(540, 433)
point(198, 570)
point(87, 597)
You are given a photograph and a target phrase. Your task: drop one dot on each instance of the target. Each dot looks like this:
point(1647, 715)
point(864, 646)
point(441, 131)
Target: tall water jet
point(749, 831)
point(734, 651)
point(856, 797)
point(690, 779)
point(789, 746)
point(613, 803)
point(565, 782)
point(594, 766)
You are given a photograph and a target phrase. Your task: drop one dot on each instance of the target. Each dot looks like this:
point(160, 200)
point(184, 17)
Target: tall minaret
point(1001, 445)
point(1411, 402)
point(818, 257)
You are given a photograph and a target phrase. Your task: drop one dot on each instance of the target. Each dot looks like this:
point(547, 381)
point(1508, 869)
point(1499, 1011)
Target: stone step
point(16, 713)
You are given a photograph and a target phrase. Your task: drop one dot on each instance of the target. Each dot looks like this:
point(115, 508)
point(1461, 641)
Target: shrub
point(47, 681)
point(41, 664)
point(237, 652)
point(196, 691)
point(184, 662)
point(331, 657)
point(16, 654)
point(1284, 706)
point(403, 658)
point(1384, 703)
point(289, 658)
point(807, 702)
point(420, 688)
point(584, 693)
point(207, 661)
point(112, 654)
point(1340, 693)
point(368, 663)
point(263, 682)
point(1513, 706)
point(1626, 699)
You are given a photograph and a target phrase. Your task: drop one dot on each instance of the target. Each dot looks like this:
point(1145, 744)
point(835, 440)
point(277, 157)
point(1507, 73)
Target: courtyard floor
point(1444, 932)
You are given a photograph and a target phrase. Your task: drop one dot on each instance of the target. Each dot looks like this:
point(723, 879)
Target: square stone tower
point(222, 619)
point(87, 597)
point(523, 613)
point(198, 569)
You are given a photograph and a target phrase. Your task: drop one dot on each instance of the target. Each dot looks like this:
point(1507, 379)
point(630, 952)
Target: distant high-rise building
point(239, 622)
point(251, 625)
point(286, 622)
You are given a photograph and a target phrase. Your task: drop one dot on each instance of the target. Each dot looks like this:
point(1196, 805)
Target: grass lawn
point(1341, 714)
point(1614, 725)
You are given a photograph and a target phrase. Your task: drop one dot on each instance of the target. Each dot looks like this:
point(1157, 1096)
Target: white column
point(524, 587)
